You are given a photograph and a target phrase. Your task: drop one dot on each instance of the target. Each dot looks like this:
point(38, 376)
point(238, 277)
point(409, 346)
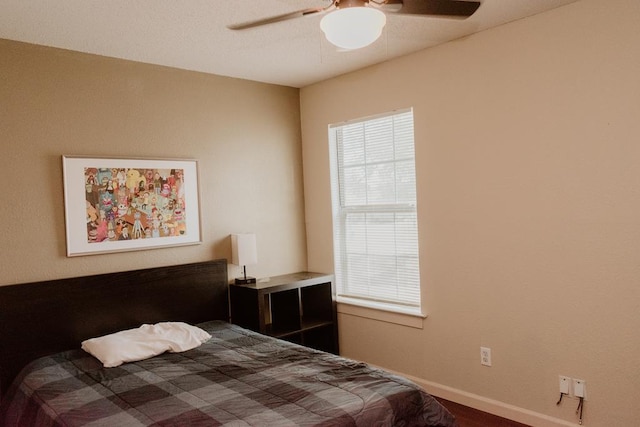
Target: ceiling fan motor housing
point(343, 4)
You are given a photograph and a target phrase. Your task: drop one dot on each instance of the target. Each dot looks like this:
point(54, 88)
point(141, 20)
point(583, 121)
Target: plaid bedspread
point(237, 378)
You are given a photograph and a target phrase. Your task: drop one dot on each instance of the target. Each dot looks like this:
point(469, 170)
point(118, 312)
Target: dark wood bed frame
point(41, 318)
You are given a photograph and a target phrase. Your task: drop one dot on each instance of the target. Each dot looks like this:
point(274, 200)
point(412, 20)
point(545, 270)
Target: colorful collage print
point(134, 203)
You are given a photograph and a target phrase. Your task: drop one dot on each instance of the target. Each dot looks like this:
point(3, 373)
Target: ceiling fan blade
point(439, 8)
point(278, 18)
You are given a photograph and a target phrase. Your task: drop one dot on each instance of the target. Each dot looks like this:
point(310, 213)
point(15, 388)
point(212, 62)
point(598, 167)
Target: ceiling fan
point(353, 24)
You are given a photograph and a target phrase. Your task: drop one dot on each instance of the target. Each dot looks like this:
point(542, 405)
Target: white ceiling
point(193, 34)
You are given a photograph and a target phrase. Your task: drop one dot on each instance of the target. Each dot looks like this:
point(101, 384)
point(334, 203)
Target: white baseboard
point(491, 406)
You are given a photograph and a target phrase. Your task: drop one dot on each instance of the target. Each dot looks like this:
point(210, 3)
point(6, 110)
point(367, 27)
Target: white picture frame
point(126, 204)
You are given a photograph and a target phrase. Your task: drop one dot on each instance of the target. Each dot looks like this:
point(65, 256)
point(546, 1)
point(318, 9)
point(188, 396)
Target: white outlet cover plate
point(485, 356)
point(580, 388)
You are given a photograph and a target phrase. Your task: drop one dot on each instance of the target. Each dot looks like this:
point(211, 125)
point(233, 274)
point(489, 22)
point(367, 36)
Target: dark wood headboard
point(41, 318)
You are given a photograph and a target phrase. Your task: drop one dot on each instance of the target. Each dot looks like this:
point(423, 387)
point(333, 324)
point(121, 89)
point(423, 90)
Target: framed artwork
point(117, 204)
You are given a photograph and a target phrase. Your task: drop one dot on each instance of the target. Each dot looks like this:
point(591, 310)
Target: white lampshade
point(353, 27)
point(243, 249)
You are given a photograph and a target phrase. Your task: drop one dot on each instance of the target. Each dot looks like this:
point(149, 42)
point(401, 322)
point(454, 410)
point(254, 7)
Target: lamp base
point(245, 280)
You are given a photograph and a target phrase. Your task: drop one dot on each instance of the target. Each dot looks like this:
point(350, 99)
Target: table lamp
point(243, 253)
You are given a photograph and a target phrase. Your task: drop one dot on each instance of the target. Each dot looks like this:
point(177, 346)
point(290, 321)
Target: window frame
point(398, 312)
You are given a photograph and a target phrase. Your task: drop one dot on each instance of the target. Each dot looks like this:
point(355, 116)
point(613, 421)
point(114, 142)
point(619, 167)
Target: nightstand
point(298, 307)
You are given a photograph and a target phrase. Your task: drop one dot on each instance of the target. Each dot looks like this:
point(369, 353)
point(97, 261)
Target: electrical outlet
point(485, 356)
point(580, 388)
point(565, 384)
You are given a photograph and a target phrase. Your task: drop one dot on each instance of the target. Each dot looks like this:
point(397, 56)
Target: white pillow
point(144, 342)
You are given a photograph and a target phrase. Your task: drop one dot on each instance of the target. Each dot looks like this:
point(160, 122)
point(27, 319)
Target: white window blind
point(374, 206)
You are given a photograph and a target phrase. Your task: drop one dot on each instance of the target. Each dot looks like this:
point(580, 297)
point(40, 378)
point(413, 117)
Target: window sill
point(382, 312)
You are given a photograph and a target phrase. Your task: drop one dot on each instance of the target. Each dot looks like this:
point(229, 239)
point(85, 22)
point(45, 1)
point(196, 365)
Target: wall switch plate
point(485, 356)
point(565, 384)
point(580, 388)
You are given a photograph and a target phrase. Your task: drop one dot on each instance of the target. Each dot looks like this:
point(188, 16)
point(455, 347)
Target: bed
point(236, 378)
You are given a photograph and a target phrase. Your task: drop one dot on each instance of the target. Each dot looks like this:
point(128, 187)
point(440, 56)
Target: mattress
point(237, 378)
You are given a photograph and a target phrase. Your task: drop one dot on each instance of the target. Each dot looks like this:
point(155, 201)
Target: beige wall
point(527, 145)
point(245, 135)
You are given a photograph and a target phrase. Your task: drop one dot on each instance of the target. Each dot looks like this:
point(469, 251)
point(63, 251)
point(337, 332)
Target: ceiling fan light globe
point(353, 27)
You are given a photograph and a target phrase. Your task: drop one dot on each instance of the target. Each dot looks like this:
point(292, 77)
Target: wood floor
point(469, 417)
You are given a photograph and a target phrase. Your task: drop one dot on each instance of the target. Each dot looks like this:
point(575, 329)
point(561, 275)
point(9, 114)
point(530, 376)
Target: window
point(375, 227)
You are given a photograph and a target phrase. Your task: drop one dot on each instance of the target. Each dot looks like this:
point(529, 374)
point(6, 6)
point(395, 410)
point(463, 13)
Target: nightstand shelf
point(298, 307)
